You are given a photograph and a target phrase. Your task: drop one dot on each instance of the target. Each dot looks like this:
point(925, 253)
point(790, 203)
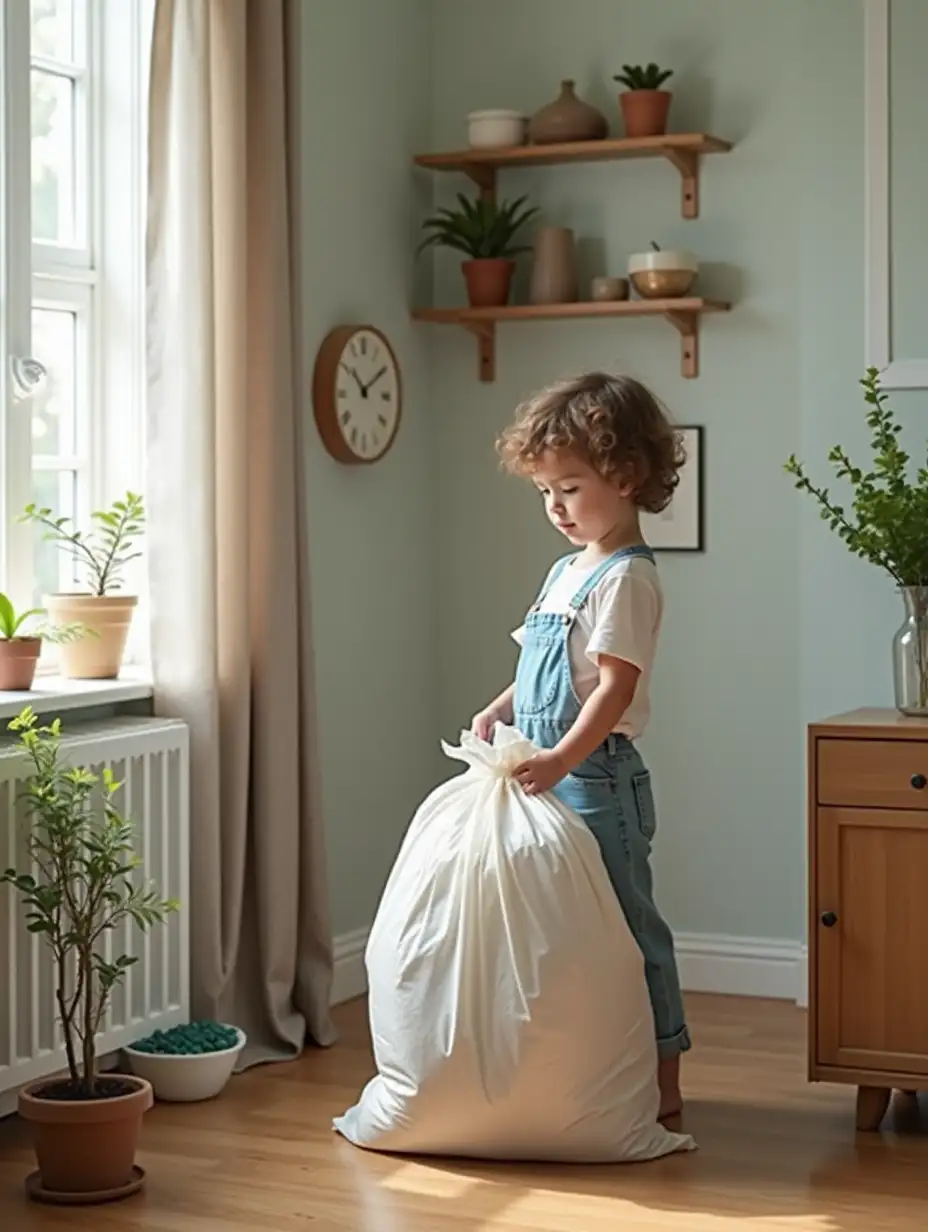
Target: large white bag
point(508, 1006)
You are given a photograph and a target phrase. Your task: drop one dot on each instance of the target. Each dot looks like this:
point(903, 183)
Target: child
point(599, 449)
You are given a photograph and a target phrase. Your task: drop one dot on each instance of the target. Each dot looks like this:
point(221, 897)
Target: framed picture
point(680, 527)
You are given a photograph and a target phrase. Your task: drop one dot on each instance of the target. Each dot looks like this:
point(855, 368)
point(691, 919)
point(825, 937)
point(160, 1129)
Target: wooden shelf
point(682, 150)
point(683, 314)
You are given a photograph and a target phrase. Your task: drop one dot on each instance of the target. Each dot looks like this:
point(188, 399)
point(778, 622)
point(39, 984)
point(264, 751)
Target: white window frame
point(102, 277)
point(896, 372)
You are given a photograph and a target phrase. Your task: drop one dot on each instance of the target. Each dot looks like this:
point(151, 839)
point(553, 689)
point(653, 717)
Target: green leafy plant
point(643, 77)
point(107, 549)
point(81, 886)
point(480, 229)
point(888, 521)
point(13, 625)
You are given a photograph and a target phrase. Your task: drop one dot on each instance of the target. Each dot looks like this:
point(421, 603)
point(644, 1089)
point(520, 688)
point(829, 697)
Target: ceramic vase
point(554, 267)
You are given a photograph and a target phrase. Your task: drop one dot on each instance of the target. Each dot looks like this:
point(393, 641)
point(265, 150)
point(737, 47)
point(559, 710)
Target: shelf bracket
point(485, 333)
point(687, 163)
point(485, 179)
point(687, 325)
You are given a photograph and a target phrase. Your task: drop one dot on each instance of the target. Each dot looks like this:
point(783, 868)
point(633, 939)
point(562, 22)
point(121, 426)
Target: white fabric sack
point(508, 1006)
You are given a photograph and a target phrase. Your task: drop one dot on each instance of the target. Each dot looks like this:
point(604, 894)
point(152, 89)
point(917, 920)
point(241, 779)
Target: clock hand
point(375, 377)
point(357, 379)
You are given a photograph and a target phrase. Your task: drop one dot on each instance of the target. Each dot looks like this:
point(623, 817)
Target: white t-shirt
point(621, 617)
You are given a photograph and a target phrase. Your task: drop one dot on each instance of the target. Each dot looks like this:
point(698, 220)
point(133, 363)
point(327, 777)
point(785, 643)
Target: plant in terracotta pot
point(79, 886)
point(486, 234)
point(645, 106)
point(21, 643)
point(886, 525)
point(102, 555)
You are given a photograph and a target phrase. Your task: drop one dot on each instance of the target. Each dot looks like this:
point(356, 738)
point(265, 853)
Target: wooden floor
point(775, 1155)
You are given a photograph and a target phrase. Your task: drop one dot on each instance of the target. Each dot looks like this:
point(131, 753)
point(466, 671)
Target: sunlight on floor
point(508, 1205)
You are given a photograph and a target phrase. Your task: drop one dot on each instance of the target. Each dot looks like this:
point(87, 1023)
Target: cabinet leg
point(872, 1103)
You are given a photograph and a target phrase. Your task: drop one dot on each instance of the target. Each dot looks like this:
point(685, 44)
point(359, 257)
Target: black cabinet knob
point(919, 782)
point(829, 919)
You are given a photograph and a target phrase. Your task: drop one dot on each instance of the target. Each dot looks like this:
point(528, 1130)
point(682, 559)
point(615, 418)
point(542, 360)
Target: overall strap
point(639, 549)
point(553, 574)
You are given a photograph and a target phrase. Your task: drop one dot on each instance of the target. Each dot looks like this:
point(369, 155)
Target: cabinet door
point(872, 928)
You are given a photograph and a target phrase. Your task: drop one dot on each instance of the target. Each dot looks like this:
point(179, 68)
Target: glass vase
point(910, 654)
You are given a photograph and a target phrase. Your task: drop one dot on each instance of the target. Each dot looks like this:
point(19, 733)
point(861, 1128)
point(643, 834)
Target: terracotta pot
point(86, 1148)
point(554, 267)
point(109, 616)
point(488, 281)
point(568, 118)
point(18, 659)
point(644, 112)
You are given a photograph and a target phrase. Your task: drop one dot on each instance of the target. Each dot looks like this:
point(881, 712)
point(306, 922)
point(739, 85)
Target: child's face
point(579, 501)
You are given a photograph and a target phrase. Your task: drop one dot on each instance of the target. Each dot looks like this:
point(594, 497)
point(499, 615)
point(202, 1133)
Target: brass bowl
point(663, 284)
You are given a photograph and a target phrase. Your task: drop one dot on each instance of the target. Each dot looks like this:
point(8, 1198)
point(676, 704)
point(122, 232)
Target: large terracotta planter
point(488, 281)
point(18, 659)
point(85, 1149)
point(645, 112)
point(99, 655)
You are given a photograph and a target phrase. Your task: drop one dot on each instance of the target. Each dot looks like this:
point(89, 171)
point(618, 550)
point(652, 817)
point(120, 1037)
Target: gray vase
point(554, 267)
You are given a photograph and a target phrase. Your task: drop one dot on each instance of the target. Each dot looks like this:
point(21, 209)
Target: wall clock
point(357, 394)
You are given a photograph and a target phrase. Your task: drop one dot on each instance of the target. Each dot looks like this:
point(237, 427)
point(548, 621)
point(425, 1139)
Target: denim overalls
point(611, 791)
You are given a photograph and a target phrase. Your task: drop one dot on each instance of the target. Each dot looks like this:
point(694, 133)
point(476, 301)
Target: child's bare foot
point(668, 1080)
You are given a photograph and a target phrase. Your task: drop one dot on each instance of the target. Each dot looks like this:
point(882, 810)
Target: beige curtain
point(230, 639)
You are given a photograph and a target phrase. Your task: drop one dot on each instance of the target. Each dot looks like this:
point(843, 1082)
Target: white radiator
point(150, 758)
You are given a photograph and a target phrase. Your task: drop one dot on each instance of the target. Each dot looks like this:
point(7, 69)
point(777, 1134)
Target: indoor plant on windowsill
point(486, 234)
point(21, 644)
point(889, 528)
point(103, 555)
point(80, 888)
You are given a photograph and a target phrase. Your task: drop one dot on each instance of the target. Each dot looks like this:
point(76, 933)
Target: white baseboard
point(742, 966)
point(350, 978)
point(735, 966)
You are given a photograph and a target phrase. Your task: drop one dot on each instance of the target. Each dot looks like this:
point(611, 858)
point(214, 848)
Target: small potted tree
point(645, 106)
point(79, 886)
point(102, 555)
point(486, 234)
point(21, 643)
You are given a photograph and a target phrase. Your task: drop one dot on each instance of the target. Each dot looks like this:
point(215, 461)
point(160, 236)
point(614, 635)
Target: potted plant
point(79, 887)
point(21, 645)
point(645, 106)
point(486, 233)
point(887, 525)
point(103, 555)
point(187, 1063)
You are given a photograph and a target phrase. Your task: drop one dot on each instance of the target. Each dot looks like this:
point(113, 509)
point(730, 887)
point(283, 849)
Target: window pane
point(54, 566)
point(53, 29)
point(54, 417)
point(53, 197)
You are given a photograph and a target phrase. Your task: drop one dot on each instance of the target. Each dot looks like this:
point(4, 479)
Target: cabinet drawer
point(873, 773)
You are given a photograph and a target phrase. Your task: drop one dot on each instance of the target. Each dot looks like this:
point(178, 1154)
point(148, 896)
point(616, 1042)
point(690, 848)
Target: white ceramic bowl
point(186, 1079)
point(495, 130)
point(665, 274)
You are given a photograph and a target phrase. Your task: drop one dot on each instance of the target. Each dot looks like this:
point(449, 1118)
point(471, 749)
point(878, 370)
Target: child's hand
point(482, 724)
point(540, 773)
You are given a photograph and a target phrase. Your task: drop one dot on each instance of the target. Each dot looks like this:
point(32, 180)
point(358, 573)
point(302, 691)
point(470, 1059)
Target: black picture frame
point(681, 527)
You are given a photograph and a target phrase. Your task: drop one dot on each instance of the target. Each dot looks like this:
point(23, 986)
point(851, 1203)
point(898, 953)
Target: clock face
point(367, 394)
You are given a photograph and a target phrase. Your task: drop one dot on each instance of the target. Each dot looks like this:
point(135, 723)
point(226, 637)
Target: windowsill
point(54, 693)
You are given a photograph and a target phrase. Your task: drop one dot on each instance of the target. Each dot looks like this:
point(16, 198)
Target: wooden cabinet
point(868, 906)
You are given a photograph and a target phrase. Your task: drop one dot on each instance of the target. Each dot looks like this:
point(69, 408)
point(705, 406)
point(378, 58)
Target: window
point(72, 164)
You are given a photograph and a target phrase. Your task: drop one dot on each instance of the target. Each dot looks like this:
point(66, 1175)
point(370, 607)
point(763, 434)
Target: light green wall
point(362, 110)
point(422, 564)
point(724, 743)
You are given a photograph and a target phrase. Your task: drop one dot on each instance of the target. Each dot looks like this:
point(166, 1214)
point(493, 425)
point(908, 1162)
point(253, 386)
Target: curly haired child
point(599, 449)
